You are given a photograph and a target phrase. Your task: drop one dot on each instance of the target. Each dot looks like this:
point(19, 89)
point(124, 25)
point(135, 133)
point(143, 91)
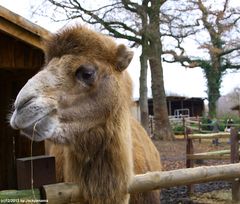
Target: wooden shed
point(193, 105)
point(21, 56)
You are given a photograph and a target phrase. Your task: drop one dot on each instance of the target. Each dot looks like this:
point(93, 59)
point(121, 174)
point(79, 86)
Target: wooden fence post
point(37, 169)
point(189, 162)
point(184, 128)
point(151, 125)
point(189, 149)
point(199, 128)
point(235, 159)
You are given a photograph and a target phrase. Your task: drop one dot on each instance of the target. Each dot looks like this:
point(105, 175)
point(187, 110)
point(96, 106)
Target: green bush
point(222, 122)
point(178, 129)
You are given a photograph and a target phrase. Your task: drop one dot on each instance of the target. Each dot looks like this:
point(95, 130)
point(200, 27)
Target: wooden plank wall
point(14, 54)
point(18, 63)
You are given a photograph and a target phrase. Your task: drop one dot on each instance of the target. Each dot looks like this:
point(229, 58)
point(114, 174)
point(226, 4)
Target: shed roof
point(21, 28)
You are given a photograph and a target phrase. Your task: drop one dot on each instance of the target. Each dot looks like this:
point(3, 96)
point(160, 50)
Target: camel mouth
point(31, 111)
point(32, 131)
point(40, 129)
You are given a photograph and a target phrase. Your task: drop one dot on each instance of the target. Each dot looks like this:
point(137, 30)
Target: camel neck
point(104, 154)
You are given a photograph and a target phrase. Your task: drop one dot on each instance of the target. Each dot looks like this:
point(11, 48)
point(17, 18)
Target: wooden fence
point(232, 154)
point(177, 123)
point(67, 193)
point(64, 193)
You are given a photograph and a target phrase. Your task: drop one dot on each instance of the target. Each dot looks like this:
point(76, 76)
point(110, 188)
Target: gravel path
point(177, 195)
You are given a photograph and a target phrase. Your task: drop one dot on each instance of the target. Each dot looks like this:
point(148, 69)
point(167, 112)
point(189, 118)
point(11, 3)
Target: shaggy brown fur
point(100, 146)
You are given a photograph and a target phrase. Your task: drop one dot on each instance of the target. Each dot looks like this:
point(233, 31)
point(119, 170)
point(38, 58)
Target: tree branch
point(75, 7)
point(229, 51)
point(182, 59)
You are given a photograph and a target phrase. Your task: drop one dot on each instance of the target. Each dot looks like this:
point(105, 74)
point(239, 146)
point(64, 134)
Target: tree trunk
point(213, 96)
point(162, 128)
point(213, 76)
point(143, 99)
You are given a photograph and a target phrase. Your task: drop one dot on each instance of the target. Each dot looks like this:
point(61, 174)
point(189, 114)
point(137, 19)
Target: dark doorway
point(12, 145)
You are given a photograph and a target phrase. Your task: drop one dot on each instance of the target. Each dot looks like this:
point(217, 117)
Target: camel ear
point(123, 57)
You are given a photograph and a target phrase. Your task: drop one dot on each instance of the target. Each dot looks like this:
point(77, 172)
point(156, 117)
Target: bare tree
point(139, 23)
point(215, 28)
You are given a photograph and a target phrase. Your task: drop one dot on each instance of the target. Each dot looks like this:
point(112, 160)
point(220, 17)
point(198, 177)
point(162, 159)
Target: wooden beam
point(62, 193)
point(42, 169)
point(234, 145)
point(166, 179)
point(235, 159)
point(23, 23)
point(219, 152)
point(192, 128)
point(208, 157)
point(22, 29)
point(210, 135)
point(20, 33)
point(189, 162)
point(192, 121)
point(69, 193)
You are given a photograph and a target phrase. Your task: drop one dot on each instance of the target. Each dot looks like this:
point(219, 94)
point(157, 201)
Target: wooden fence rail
point(64, 193)
point(222, 154)
point(209, 135)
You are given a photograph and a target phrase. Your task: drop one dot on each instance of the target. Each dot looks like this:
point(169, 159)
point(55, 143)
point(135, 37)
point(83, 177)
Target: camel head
point(82, 83)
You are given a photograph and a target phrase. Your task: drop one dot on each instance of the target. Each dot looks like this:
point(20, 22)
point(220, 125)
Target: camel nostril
point(25, 102)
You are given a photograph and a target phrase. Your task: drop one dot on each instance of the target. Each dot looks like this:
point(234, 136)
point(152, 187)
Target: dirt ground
point(173, 153)
point(173, 156)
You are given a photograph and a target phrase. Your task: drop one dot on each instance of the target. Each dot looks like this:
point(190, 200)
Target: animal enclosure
point(14, 75)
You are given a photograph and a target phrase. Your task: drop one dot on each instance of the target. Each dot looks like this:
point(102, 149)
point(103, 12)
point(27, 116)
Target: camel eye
point(86, 73)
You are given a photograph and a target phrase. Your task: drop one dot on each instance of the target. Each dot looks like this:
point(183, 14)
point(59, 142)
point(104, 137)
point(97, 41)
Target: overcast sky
point(177, 80)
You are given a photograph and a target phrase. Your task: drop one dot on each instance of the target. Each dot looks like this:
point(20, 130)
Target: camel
point(80, 100)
